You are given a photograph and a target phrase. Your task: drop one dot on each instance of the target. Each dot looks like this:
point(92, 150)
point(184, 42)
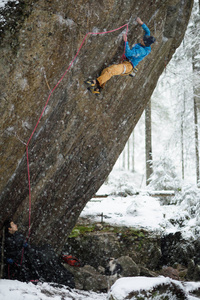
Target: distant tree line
point(172, 115)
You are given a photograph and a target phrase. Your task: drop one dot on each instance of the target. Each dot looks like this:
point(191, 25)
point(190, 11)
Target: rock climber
point(28, 263)
point(133, 56)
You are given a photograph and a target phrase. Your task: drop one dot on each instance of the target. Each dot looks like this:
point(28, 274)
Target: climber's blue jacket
point(138, 52)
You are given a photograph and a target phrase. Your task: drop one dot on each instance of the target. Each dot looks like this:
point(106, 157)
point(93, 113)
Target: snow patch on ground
point(16, 290)
point(138, 209)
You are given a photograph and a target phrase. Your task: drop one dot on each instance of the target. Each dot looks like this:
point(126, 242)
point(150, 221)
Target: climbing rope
point(51, 92)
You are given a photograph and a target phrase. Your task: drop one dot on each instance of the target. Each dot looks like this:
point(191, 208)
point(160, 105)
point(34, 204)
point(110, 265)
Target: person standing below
point(133, 56)
point(28, 263)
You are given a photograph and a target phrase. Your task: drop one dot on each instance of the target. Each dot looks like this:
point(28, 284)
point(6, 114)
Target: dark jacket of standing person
point(26, 262)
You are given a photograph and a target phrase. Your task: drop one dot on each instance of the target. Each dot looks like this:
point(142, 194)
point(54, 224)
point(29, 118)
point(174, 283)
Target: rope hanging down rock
point(51, 92)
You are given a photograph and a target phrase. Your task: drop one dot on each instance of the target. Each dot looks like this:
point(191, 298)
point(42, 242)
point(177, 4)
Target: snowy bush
point(189, 201)
point(164, 176)
point(120, 183)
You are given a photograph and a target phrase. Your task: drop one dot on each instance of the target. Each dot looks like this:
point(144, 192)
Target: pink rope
point(28, 169)
point(29, 185)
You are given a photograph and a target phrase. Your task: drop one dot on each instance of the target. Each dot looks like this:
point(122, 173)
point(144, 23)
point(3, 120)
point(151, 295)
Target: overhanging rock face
point(80, 136)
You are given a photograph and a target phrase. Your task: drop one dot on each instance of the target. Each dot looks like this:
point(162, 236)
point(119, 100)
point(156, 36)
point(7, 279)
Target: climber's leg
point(113, 70)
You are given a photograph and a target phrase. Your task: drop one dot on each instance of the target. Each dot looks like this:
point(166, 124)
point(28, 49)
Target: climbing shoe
point(90, 82)
point(133, 73)
point(95, 90)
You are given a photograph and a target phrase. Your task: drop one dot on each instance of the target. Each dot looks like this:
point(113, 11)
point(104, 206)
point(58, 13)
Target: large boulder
point(130, 268)
point(127, 245)
point(147, 288)
point(89, 279)
point(79, 137)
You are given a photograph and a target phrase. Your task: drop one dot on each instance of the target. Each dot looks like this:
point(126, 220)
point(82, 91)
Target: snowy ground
point(15, 290)
point(139, 210)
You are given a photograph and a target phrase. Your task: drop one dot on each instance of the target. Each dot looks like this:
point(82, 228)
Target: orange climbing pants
point(124, 68)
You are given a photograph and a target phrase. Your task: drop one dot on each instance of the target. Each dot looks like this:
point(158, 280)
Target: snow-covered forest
point(174, 104)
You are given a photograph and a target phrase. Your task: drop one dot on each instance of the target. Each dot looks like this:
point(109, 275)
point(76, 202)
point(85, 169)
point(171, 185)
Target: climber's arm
point(144, 26)
point(146, 29)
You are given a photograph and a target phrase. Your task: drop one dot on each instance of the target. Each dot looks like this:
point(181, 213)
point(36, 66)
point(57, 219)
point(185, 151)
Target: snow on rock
point(124, 286)
point(16, 290)
point(68, 22)
point(191, 287)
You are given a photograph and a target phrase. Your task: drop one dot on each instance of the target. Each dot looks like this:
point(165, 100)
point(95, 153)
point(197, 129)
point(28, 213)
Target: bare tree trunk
point(196, 107)
point(196, 128)
point(182, 138)
point(148, 141)
point(133, 152)
point(124, 159)
point(196, 133)
point(128, 154)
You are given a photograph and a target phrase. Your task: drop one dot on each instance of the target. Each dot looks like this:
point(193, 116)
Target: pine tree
point(164, 176)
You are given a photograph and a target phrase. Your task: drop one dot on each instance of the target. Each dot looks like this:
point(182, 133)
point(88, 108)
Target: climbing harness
point(124, 72)
point(132, 73)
